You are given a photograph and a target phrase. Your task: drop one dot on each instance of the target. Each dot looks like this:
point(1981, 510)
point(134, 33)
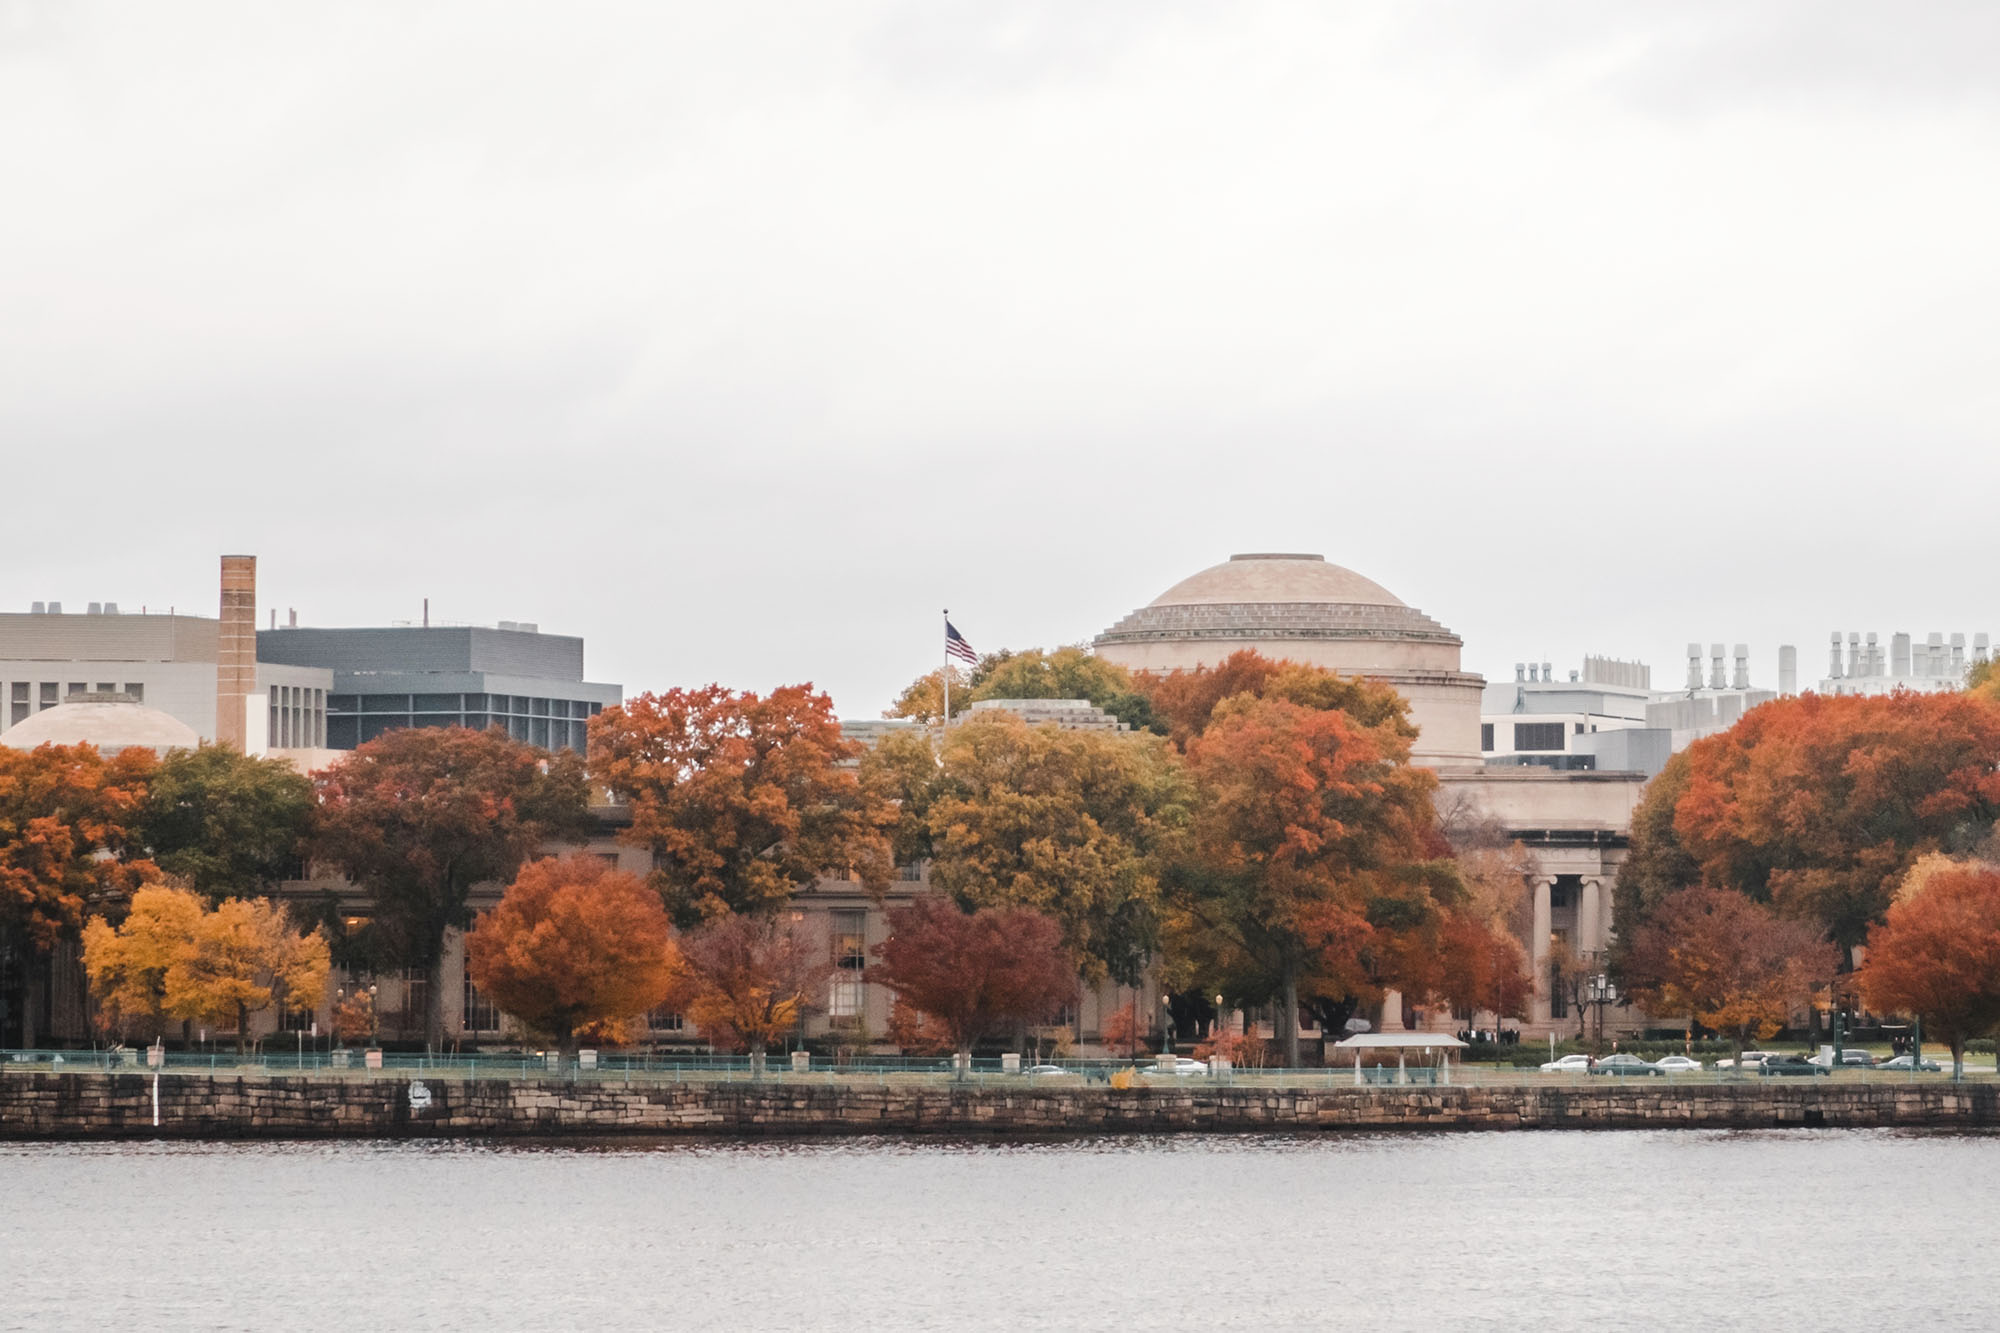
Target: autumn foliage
point(976, 973)
point(1728, 962)
point(1937, 956)
point(742, 798)
point(1076, 825)
point(746, 981)
point(1314, 855)
point(174, 957)
point(1817, 805)
point(417, 817)
point(573, 942)
point(68, 824)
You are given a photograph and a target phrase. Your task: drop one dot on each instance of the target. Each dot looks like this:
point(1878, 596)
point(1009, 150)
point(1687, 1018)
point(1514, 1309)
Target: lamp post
point(1167, 1022)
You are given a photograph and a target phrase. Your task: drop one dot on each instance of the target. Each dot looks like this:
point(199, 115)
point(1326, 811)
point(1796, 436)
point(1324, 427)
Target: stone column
point(1538, 946)
point(1590, 918)
point(1392, 1011)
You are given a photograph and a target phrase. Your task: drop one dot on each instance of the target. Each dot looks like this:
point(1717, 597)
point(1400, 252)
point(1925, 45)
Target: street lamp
point(1167, 1021)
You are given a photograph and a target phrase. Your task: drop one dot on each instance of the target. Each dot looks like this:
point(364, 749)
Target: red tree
point(747, 980)
point(976, 973)
point(1938, 956)
point(742, 799)
point(419, 816)
point(573, 942)
point(1729, 963)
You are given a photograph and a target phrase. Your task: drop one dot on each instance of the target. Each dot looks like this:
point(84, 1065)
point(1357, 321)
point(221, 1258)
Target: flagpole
point(945, 721)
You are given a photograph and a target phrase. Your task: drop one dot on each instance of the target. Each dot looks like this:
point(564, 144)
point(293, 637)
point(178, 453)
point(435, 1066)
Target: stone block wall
point(100, 1105)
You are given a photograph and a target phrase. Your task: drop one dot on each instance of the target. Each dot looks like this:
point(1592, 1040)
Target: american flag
point(956, 646)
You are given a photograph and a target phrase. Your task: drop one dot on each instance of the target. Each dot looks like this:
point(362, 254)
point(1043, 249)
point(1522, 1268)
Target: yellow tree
point(128, 965)
point(1074, 824)
point(242, 956)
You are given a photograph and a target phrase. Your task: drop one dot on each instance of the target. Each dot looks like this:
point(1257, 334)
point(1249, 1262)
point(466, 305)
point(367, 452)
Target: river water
point(1812, 1229)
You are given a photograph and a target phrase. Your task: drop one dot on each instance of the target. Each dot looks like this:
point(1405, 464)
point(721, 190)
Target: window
point(137, 689)
point(416, 996)
point(75, 687)
point(913, 873)
point(385, 703)
point(20, 702)
point(49, 699)
point(1538, 735)
point(1486, 737)
point(661, 1020)
point(1579, 728)
point(107, 687)
point(479, 1013)
point(850, 956)
point(436, 703)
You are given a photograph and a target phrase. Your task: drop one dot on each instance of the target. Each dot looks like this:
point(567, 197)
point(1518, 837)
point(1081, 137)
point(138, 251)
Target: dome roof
point(1276, 578)
point(1276, 597)
point(110, 726)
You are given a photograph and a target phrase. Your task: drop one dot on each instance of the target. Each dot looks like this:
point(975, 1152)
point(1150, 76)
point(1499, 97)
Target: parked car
point(1751, 1059)
point(1791, 1066)
point(1047, 1071)
point(1850, 1058)
point(1677, 1064)
point(1623, 1064)
point(1902, 1062)
point(1569, 1064)
point(1183, 1068)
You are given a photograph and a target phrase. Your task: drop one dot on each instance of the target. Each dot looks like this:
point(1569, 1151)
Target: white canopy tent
point(1402, 1043)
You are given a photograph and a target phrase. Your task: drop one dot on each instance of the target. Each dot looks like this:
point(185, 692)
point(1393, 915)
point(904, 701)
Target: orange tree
point(742, 799)
point(1315, 869)
point(68, 842)
point(127, 965)
point(573, 942)
point(748, 980)
point(1729, 963)
point(977, 973)
point(1817, 805)
point(417, 817)
point(1937, 956)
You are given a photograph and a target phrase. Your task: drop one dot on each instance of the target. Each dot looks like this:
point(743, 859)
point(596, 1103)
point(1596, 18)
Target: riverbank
point(111, 1106)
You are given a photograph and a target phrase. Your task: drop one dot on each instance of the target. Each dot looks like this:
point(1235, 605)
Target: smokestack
point(1717, 678)
point(292, 619)
point(1694, 665)
point(1741, 679)
point(236, 659)
point(1979, 643)
point(1788, 669)
point(1833, 665)
point(1899, 654)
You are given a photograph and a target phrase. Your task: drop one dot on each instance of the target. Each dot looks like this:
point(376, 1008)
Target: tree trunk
point(242, 1029)
point(434, 1010)
point(1958, 1059)
point(1288, 1017)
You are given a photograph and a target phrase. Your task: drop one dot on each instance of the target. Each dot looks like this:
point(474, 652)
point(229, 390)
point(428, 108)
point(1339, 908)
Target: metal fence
point(639, 1068)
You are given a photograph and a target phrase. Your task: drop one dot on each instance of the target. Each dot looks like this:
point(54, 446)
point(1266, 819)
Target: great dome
point(109, 725)
point(1303, 608)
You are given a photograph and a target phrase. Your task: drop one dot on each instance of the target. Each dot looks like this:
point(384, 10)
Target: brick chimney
point(236, 658)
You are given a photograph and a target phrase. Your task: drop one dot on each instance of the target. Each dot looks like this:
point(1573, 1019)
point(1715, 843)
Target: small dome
point(1275, 578)
point(110, 726)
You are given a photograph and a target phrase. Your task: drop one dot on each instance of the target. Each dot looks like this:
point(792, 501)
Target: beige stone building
point(1577, 825)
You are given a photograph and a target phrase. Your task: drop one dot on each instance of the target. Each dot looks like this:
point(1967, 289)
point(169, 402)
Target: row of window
point(344, 733)
point(1531, 735)
point(26, 697)
point(519, 705)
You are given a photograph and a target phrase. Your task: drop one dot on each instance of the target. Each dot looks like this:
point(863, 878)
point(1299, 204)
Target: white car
point(1678, 1064)
point(1183, 1068)
point(1569, 1064)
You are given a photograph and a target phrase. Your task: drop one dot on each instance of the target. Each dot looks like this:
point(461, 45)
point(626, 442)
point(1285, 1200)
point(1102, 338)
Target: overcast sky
point(740, 339)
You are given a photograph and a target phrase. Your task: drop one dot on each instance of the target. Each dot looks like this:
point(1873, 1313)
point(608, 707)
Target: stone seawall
point(99, 1105)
